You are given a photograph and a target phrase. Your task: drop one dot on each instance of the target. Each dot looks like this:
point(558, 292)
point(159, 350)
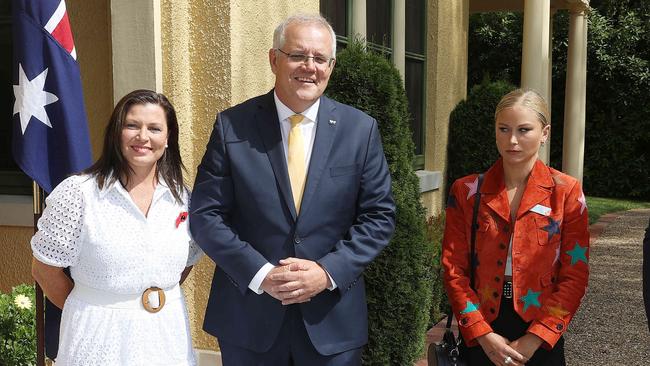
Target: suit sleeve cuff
point(256, 283)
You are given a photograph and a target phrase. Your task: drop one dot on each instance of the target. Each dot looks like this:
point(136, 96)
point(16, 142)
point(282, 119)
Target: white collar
point(284, 112)
point(161, 188)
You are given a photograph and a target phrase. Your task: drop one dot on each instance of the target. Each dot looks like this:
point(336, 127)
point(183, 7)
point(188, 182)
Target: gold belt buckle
point(145, 299)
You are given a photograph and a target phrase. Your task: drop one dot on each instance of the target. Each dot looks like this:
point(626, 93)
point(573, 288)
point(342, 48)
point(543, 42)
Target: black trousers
point(510, 325)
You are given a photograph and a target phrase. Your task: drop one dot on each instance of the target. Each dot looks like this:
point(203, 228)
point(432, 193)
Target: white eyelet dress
point(112, 248)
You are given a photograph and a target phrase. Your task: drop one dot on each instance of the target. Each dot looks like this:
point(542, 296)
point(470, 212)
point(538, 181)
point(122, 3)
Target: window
point(415, 73)
point(379, 20)
point(12, 180)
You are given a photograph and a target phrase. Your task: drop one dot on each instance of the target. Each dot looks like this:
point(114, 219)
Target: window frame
point(419, 159)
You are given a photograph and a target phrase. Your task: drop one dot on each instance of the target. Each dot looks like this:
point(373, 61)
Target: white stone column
point(136, 46)
point(399, 36)
point(359, 19)
point(573, 146)
point(535, 58)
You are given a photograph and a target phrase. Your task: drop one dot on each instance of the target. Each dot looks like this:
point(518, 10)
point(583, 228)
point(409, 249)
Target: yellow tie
point(296, 157)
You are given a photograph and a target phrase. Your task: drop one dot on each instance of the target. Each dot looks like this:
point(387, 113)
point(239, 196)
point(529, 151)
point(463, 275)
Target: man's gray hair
point(308, 19)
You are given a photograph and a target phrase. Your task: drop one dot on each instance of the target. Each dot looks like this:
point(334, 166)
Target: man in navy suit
point(292, 201)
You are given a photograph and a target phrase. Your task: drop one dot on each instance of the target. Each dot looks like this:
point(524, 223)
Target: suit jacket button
point(559, 326)
point(296, 239)
point(463, 321)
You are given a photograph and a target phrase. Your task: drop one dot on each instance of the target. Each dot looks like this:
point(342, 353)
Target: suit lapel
point(268, 127)
point(325, 133)
point(494, 193)
point(538, 188)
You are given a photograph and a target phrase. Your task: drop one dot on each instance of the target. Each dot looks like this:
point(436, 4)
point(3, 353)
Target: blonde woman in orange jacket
point(532, 246)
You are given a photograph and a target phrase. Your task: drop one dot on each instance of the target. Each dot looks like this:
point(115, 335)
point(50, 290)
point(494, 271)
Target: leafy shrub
point(435, 227)
point(18, 327)
point(471, 147)
point(400, 279)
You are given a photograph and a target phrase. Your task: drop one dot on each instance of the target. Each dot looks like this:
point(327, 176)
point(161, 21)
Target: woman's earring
point(543, 143)
point(166, 146)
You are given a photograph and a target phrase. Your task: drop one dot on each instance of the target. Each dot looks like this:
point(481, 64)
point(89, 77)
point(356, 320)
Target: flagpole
point(40, 305)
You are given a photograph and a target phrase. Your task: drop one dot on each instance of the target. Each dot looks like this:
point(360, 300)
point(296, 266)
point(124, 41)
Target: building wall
point(447, 28)
point(16, 259)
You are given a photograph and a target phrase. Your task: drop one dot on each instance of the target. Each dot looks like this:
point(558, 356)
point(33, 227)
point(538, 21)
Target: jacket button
point(296, 239)
point(499, 263)
point(497, 279)
point(495, 294)
point(502, 246)
point(492, 311)
point(463, 321)
point(559, 326)
point(506, 228)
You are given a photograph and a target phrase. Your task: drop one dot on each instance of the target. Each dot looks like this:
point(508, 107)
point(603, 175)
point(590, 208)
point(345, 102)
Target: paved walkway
point(611, 327)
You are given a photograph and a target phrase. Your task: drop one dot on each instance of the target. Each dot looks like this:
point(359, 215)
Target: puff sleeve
point(57, 241)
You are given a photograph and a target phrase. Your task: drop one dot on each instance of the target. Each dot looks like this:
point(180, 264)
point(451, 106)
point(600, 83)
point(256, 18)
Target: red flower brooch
point(181, 218)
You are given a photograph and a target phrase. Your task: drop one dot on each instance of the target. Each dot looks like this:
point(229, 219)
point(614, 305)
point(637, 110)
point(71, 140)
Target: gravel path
point(610, 327)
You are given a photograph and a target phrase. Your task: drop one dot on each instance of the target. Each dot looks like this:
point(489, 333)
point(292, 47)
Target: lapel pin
point(332, 122)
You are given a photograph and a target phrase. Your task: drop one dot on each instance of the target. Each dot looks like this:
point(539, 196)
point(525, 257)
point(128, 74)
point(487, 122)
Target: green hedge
point(472, 147)
point(400, 279)
point(439, 305)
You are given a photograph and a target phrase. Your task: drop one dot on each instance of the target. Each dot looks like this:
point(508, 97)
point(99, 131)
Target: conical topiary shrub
point(400, 280)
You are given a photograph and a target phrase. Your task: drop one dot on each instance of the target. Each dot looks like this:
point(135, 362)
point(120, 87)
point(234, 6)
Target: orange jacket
point(550, 252)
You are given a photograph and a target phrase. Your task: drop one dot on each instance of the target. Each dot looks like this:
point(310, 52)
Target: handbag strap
point(472, 257)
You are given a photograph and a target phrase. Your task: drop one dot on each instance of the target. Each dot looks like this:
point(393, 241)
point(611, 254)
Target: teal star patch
point(531, 299)
point(578, 254)
point(470, 307)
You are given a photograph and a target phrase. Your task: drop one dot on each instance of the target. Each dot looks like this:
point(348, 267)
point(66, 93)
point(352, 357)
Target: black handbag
point(448, 351)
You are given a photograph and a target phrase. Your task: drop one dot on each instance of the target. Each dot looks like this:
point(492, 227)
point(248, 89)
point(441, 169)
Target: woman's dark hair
point(112, 166)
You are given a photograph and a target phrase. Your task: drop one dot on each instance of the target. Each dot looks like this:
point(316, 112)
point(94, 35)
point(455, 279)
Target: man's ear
point(273, 59)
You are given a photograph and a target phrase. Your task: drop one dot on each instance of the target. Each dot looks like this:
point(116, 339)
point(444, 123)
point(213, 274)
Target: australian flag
point(50, 130)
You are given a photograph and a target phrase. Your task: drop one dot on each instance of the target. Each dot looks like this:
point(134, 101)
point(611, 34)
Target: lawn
point(599, 206)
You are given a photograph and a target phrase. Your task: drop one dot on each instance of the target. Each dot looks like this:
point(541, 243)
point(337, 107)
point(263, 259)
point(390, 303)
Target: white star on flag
point(31, 99)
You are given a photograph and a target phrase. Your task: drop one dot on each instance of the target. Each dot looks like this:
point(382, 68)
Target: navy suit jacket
point(242, 215)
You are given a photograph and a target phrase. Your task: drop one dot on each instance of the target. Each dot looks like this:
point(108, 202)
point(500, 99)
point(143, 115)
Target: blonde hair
point(526, 98)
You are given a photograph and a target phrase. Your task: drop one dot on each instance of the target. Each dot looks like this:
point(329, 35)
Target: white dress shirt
point(308, 130)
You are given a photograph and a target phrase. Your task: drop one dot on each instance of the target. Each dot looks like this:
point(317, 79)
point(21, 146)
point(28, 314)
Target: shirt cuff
point(256, 283)
point(334, 286)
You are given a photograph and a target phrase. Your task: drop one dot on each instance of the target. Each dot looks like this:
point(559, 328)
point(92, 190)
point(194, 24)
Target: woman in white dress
point(121, 226)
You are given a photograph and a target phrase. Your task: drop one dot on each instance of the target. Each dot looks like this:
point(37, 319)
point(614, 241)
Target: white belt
point(145, 301)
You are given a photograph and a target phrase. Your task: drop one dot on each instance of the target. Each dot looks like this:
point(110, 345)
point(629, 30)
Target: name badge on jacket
point(542, 210)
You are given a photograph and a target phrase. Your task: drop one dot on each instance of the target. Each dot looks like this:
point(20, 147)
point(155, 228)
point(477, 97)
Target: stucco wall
point(90, 21)
point(252, 25)
point(16, 258)
point(196, 79)
point(447, 84)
